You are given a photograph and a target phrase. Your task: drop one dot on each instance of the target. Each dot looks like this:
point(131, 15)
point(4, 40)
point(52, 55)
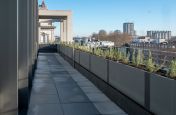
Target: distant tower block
point(128, 28)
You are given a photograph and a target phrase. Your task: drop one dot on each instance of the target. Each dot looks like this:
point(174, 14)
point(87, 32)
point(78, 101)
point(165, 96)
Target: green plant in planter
point(111, 53)
point(133, 58)
point(142, 59)
point(139, 58)
point(89, 49)
point(172, 69)
point(98, 52)
point(116, 54)
point(84, 48)
point(120, 55)
point(106, 54)
point(76, 46)
point(101, 52)
point(150, 65)
point(125, 58)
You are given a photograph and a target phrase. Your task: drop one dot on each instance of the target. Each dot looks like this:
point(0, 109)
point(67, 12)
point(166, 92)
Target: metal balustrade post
point(73, 57)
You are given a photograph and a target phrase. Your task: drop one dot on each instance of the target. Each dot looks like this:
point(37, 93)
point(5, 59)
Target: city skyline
point(93, 15)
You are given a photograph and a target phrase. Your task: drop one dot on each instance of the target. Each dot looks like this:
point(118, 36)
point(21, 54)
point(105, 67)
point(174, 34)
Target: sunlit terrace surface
point(59, 89)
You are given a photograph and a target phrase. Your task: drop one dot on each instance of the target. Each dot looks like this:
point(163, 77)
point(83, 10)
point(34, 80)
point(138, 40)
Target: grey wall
point(85, 60)
point(65, 51)
point(162, 95)
point(8, 55)
point(99, 67)
point(23, 55)
point(70, 52)
point(76, 54)
point(128, 80)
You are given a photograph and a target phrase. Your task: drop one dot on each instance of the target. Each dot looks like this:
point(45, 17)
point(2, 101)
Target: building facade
point(128, 28)
point(159, 34)
point(19, 50)
point(47, 17)
point(46, 35)
point(19, 46)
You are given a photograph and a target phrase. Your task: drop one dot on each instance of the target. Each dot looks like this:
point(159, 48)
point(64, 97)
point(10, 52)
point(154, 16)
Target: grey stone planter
point(85, 59)
point(128, 80)
point(99, 66)
point(157, 94)
point(162, 95)
point(70, 52)
point(63, 49)
point(154, 92)
point(76, 54)
point(66, 51)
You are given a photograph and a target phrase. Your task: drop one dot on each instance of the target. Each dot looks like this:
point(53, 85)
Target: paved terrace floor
point(59, 89)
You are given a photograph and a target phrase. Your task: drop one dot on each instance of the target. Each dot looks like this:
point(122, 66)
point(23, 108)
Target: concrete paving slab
point(108, 108)
point(44, 99)
point(80, 109)
point(59, 89)
point(98, 97)
point(45, 109)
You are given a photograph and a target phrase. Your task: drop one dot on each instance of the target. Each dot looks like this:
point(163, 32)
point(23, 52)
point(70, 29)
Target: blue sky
point(92, 15)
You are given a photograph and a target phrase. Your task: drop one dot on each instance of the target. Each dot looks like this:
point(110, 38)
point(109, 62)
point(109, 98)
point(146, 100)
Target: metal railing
point(161, 53)
point(165, 47)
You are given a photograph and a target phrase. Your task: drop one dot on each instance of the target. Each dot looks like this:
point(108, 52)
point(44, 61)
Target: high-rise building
point(159, 34)
point(128, 28)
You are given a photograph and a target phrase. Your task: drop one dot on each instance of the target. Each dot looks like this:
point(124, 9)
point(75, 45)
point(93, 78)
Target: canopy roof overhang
point(54, 14)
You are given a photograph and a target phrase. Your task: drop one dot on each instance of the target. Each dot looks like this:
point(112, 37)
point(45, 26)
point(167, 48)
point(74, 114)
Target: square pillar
point(52, 36)
point(30, 40)
point(39, 30)
point(69, 28)
point(35, 29)
point(23, 91)
point(62, 31)
point(65, 30)
point(8, 56)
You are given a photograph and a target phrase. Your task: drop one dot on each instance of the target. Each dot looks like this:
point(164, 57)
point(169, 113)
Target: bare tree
point(102, 33)
point(94, 36)
point(118, 38)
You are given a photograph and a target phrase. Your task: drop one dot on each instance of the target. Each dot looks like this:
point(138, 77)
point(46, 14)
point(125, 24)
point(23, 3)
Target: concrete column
point(17, 49)
point(65, 30)
point(39, 30)
point(35, 28)
point(34, 32)
point(52, 34)
point(69, 28)
point(8, 56)
point(62, 31)
point(23, 92)
point(30, 40)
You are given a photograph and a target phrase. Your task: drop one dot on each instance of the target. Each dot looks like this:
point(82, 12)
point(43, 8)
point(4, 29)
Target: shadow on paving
point(58, 89)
